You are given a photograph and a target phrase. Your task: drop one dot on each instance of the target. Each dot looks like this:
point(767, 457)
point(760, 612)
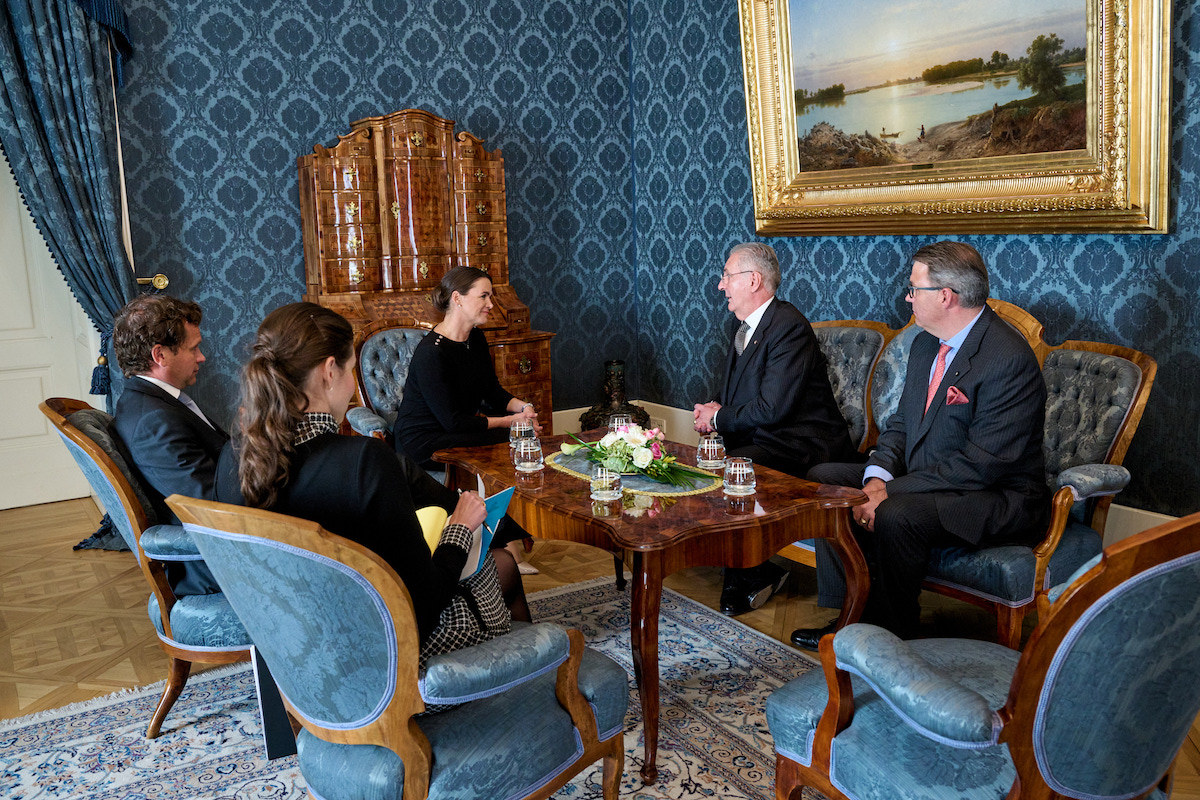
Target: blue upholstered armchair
point(1097, 706)
point(335, 625)
point(198, 628)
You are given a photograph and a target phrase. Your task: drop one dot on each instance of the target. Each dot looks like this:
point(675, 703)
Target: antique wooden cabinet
point(395, 204)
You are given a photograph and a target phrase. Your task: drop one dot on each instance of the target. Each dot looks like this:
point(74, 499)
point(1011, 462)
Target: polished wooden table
point(709, 529)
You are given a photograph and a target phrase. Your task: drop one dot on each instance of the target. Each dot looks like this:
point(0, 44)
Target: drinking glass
point(606, 483)
point(739, 475)
point(710, 453)
point(527, 456)
point(519, 429)
point(618, 421)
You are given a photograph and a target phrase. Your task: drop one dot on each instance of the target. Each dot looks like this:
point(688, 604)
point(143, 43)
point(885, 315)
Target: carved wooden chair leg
point(1008, 626)
point(619, 566)
point(614, 767)
point(177, 676)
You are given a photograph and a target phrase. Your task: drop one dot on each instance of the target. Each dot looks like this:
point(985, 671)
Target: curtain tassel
point(101, 383)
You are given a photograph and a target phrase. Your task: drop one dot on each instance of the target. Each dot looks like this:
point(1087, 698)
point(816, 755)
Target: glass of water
point(618, 421)
point(519, 429)
point(527, 455)
point(710, 452)
point(739, 475)
point(606, 483)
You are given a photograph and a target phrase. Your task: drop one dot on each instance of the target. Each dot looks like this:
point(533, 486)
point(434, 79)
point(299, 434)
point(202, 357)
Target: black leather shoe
point(810, 638)
point(744, 589)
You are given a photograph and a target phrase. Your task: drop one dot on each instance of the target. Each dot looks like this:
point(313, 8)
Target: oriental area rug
point(713, 740)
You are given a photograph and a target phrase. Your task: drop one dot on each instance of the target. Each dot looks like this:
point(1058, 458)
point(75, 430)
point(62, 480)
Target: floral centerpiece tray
point(641, 458)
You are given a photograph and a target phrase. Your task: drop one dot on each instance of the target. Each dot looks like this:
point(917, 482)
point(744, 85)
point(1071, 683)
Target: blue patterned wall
point(624, 133)
point(223, 96)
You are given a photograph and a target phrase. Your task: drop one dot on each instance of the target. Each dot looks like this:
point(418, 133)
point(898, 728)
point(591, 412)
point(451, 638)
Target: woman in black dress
point(452, 397)
point(287, 456)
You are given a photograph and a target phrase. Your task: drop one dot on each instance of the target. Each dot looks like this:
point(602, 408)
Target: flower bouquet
point(632, 450)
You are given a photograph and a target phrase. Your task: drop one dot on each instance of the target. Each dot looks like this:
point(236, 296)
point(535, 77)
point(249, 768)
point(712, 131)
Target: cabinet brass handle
point(352, 243)
point(396, 209)
point(482, 239)
point(351, 210)
point(356, 274)
point(480, 175)
point(417, 138)
point(525, 365)
point(423, 269)
point(481, 208)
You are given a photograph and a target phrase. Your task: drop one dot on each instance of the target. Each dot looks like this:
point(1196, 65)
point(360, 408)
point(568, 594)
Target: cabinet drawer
point(347, 175)
point(523, 362)
point(351, 241)
point(347, 208)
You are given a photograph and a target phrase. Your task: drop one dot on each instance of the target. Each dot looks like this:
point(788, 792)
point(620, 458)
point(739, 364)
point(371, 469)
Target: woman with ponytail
point(287, 456)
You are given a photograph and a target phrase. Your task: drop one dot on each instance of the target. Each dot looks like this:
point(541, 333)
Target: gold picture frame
point(1118, 184)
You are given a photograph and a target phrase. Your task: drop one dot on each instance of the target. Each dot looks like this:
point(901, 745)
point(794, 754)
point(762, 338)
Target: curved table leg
point(643, 620)
point(858, 579)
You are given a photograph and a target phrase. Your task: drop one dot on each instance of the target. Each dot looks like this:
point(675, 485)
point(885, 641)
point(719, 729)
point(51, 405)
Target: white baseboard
point(1123, 521)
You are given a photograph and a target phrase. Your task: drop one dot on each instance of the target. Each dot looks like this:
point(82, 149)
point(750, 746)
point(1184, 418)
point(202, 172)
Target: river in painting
point(906, 107)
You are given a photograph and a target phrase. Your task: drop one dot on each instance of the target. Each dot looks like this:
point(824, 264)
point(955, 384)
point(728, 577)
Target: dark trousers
point(907, 529)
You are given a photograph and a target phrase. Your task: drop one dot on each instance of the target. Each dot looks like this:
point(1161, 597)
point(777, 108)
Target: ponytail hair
point(291, 342)
point(459, 279)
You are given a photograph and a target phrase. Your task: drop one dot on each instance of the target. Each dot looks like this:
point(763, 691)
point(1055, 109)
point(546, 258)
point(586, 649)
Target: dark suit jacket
point(174, 451)
point(777, 395)
point(983, 458)
point(357, 487)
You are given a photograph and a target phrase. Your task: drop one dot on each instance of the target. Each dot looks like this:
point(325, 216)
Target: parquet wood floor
point(73, 624)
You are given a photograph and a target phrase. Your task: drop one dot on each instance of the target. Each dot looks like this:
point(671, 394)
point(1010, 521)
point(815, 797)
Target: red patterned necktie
point(938, 372)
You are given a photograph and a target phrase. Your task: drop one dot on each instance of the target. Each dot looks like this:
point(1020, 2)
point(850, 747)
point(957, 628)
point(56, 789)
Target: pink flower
point(656, 449)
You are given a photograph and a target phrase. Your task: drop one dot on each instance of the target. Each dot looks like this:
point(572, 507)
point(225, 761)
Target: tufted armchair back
point(1091, 396)
point(887, 384)
point(851, 348)
point(384, 350)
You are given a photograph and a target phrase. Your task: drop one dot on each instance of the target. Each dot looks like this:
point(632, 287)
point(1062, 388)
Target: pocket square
point(955, 398)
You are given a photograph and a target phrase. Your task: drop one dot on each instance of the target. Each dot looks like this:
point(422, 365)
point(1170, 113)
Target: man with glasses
point(776, 405)
point(960, 462)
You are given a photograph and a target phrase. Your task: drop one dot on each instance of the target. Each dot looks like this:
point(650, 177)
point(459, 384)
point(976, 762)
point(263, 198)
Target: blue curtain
point(58, 130)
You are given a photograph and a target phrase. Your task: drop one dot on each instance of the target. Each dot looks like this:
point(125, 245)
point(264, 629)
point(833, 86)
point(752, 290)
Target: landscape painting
point(881, 83)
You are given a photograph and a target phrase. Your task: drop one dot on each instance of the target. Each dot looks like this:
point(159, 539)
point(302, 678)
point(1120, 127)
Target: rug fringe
point(120, 696)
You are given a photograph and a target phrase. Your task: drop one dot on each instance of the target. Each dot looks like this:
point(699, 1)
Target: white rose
point(608, 440)
point(642, 457)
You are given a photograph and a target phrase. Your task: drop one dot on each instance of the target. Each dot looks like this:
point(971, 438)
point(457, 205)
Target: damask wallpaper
point(624, 134)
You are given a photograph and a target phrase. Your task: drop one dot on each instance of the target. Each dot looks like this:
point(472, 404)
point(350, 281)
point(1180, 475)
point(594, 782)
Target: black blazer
point(984, 457)
point(777, 395)
point(357, 487)
point(174, 451)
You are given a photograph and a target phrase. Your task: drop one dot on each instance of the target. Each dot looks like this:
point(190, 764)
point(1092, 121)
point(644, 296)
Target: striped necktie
point(739, 340)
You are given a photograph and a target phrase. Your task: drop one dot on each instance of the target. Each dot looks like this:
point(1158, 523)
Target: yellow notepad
point(432, 519)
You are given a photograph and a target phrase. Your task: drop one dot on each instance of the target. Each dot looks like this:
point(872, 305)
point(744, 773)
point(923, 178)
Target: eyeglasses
point(725, 276)
point(910, 291)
